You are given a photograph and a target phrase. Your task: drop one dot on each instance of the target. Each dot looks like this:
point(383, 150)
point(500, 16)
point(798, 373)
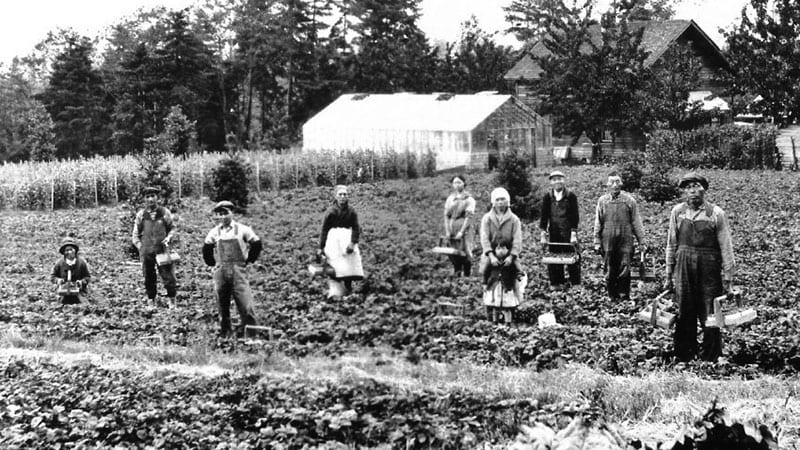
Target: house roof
point(657, 38)
point(423, 112)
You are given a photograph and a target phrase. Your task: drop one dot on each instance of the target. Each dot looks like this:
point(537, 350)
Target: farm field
point(378, 368)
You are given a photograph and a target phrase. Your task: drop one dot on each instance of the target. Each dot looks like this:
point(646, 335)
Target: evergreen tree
point(134, 118)
point(76, 100)
point(393, 53)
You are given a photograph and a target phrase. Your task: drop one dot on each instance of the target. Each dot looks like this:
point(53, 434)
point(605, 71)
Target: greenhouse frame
point(462, 131)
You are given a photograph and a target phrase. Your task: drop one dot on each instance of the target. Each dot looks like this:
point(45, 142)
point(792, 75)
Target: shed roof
point(425, 112)
point(657, 37)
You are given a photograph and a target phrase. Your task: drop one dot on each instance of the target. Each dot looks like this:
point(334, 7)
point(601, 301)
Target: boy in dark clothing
point(71, 269)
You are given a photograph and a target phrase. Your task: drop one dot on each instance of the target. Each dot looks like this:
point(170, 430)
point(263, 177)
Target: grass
point(655, 406)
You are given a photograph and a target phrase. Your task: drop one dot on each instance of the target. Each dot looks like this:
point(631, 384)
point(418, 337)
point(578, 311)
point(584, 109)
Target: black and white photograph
point(400, 224)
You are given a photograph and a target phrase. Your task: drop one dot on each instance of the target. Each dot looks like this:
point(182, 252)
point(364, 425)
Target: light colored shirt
point(240, 232)
point(683, 211)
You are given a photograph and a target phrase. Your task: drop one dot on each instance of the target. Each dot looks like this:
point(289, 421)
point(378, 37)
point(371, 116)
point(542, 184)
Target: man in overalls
point(153, 229)
point(225, 248)
point(700, 258)
point(560, 220)
point(616, 222)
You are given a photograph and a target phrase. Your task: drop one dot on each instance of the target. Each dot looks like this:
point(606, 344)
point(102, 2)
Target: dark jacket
point(338, 217)
point(572, 209)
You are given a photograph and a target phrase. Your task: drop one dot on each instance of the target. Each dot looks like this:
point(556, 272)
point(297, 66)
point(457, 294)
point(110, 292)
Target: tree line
point(227, 72)
point(249, 73)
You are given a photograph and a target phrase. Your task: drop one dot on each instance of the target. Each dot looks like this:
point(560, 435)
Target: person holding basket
point(338, 244)
point(459, 210)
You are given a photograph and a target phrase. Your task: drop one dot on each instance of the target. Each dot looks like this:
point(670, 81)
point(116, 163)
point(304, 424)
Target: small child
point(507, 275)
point(71, 269)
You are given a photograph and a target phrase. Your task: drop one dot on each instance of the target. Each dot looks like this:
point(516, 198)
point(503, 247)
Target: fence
point(108, 181)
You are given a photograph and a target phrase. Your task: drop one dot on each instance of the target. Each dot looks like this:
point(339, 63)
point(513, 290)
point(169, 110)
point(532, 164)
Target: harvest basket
point(68, 288)
point(167, 257)
point(656, 313)
point(643, 269)
point(450, 251)
point(562, 258)
point(733, 316)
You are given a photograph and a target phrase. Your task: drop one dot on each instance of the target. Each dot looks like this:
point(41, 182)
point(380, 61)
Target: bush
point(715, 146)
point(657, 186)
point(631, 169)
point(512, 173)
point(229, 181)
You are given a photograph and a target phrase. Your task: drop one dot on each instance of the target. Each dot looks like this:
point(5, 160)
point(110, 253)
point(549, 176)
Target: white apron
point(344, 265)
point(497, 296)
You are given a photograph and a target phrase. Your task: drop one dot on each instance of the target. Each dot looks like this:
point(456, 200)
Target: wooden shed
point(461, 130)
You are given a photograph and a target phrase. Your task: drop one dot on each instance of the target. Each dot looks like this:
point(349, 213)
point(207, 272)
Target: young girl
point(71, 269)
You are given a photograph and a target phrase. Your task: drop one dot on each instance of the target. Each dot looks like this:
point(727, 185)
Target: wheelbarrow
point(643, 269)
point(656, 313)
point(562, 258)
point(730, 317)
point(449, 251)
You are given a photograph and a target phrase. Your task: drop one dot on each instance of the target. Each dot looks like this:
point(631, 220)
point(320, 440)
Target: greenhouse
point(468, 131)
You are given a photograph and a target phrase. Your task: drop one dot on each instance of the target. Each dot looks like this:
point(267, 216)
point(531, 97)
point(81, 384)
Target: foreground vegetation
point(602, 346)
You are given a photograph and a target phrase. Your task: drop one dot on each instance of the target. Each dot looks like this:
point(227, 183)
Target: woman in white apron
point(339, 243)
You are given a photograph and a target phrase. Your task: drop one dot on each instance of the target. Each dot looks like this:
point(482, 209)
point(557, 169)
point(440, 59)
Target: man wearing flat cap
point(229, 247)
point(559, 223)
point(153, 229)
point(700, 267)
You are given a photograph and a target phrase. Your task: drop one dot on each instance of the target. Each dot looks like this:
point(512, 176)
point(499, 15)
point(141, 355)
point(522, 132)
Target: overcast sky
point(23, 23)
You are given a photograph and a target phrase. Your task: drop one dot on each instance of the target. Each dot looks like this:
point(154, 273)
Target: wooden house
point(657, 38)
point(463, 131)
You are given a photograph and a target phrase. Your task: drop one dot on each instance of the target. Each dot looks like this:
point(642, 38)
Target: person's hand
point(493, 260)
point(60, 281)
point(166, 241)
point(350, 248)
point(668, 286)
point(726, 286)
point(508, 261)
point(573, 238)
point(598, 249)
point(459, 235)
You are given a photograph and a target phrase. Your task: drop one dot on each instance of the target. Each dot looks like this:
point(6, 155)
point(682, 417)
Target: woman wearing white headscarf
point(500, 225)
point(339, 242)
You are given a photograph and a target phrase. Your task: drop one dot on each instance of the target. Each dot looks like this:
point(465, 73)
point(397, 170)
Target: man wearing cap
point(153, 229)
point(700, 267)
point(71, 268)
point(338, 242)
point(559, 223)
point(229, 247)
point(616, 223)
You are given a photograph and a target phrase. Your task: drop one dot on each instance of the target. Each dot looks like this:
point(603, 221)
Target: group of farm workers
point(699, 251)
point(699, 254)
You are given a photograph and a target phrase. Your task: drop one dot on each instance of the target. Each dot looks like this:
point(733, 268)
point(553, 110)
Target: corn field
point(99, 181)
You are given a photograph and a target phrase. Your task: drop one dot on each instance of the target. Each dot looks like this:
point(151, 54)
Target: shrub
point(657, 186)
point(715, 146)
point(229, 181)
point(512, 173)
point(631, 169)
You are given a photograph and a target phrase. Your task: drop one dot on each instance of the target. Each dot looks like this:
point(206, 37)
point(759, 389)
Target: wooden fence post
point(180, 188)
point(202, 180)
point(74, 193)
point(116, 188)
point(52, 195)
point(296, 172)
point(258, 177)
point(94, 179)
